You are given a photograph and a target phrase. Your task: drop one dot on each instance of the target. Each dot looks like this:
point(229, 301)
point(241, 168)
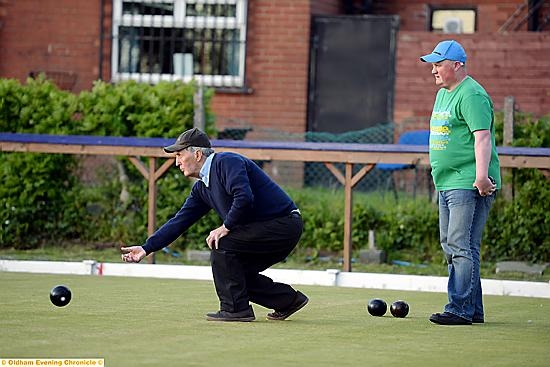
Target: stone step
point(520, 267)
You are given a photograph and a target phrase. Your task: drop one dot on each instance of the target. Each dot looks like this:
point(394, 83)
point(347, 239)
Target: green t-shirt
point(456, 115)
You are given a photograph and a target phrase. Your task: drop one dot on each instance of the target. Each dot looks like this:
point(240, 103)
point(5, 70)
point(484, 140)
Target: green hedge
point(406, 230)
point(41, 197)
point(519, 229)
point(36, 188)
point(42, 201)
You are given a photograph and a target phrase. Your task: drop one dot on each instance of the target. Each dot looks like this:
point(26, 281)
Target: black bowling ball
point(377, 307)
point(60, 295)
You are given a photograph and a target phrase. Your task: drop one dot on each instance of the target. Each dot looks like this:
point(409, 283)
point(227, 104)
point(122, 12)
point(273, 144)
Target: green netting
point(380, 134)
point(316, 174)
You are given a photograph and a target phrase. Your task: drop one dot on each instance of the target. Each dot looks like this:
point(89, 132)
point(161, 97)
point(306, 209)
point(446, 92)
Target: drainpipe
point(101, 15)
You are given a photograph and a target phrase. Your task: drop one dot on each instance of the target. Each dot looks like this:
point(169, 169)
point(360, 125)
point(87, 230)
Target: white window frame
point(180, 20)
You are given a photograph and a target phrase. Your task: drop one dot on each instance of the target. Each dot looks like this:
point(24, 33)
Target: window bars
point(204, 40)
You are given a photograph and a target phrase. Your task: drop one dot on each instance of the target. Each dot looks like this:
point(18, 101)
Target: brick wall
point(515, 64)
point(500, 69)
point(326, 7)
point(491, 14)
point(62, 37)
point(59, 37)
point(277, 67)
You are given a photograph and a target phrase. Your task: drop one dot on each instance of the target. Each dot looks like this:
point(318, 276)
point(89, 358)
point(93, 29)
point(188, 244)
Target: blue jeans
point(462, 217)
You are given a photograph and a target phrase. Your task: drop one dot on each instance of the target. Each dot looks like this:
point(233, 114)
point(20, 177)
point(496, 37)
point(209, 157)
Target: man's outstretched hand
point(132, 254)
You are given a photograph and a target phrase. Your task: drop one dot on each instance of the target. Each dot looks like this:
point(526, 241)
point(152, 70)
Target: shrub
point(32, 194)
point(519, 229)
point(41, 198)
point(412, 228)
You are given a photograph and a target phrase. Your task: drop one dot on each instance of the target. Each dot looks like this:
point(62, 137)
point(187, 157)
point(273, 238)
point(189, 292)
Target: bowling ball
point(399, 309)
point(60, 295)
point(377, 307)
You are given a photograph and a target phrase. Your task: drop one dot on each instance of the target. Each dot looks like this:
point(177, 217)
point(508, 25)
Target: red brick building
point(264, 47)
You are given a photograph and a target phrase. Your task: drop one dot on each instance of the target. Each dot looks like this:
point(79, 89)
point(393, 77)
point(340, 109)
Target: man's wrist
point(147, 252)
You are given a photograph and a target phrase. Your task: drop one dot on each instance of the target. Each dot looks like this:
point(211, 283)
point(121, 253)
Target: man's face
point(189, 162)
point(445, 73)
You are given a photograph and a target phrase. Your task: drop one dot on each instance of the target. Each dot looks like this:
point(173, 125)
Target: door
point(351, 88)
point(352, 69)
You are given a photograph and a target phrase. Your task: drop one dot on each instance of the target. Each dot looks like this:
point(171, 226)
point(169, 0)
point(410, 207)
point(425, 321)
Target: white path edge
point(329, 277)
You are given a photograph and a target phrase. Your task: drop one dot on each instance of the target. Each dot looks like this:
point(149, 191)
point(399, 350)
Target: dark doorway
point(351, 88)
point(352, 71)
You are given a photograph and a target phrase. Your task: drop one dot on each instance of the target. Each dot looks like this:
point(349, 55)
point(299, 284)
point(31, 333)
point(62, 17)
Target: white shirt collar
point(205, 170)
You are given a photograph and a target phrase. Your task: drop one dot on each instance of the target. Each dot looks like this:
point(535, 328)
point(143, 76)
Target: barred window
point(156, 40)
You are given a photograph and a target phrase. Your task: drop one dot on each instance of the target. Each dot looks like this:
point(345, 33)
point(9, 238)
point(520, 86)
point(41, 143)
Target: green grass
point(160, 322)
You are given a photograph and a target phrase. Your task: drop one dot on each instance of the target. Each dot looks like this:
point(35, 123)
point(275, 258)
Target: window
point(156, 40)
point(453, 20)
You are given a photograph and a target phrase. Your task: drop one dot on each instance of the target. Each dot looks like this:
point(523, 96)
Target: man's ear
point(198, 155)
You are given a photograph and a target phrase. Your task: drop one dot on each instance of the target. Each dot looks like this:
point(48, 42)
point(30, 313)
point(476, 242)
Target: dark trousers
point(245, 252)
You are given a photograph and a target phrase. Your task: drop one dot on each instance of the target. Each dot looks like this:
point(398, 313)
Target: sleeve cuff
point(146, 249)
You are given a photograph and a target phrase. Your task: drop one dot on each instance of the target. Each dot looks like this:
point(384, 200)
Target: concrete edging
point(329, 277)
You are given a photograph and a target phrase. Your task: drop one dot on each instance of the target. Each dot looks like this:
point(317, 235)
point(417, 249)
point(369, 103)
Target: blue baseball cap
point(446, 50)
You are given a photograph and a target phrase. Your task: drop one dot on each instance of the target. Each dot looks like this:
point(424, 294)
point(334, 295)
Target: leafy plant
point(42, 198)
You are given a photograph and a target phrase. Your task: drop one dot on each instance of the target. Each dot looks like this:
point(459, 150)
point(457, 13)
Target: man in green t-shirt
point(466, 172)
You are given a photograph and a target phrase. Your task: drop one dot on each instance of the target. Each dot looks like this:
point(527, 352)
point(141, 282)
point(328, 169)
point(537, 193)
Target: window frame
point(179, 20)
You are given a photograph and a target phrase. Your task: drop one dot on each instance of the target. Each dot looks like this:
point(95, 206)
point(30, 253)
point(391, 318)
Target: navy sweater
point(239, 191)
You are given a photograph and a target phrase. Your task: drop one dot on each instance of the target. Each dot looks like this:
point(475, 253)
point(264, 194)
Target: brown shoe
point(246, 316)
point(300, 301)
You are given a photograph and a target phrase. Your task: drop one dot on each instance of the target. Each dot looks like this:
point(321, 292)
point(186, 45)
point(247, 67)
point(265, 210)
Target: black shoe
point(478, 320)
point(447, 318)
point(300, 301)
point(247, 315)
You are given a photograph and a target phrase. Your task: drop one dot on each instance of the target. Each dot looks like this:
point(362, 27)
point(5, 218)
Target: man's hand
point(215, 235)
point(132, 254)
point(485, 186)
